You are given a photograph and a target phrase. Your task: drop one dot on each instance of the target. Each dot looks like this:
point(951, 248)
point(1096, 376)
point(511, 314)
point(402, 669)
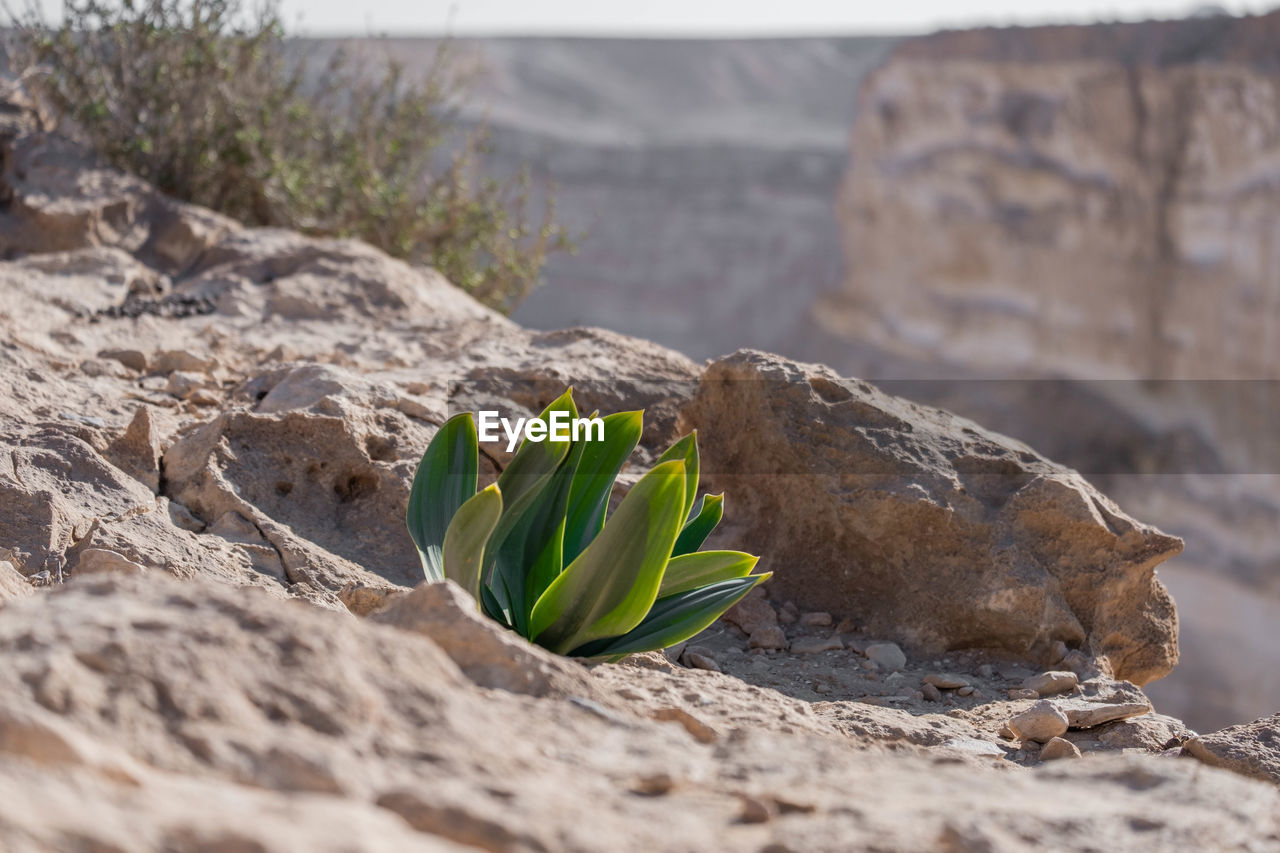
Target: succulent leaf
point(674, 619)
point(690, 571)
point(593, 483)
point(612, 584)
point(707, 514)
point(445, 479)
point(466, 538)
point(687, 449)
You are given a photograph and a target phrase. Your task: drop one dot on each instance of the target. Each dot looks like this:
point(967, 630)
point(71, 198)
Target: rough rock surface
point(184, 564)
point(1252, 749)
point(960, 537)
point(295, 725)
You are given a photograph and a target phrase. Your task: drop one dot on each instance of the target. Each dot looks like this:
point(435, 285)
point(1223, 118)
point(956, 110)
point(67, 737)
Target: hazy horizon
point(715, 18)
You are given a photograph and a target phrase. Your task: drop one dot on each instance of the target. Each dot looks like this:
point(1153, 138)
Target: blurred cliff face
point(1093, 204)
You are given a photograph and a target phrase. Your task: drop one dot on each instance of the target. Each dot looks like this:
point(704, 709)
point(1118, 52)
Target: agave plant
point(539, 556)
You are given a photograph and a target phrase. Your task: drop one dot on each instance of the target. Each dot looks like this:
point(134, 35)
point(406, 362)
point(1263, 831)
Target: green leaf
point(535, 547)
point(610, 587)
point(691, 571)
point(601, 461)
point(675, 619)
point(492, 608)
point(446, 477)
point(523, 484)
point(709, 510)
point(686, 449)
point(467, 536)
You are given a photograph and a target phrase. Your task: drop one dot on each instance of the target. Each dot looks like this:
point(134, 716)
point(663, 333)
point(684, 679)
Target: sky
point(714, 17)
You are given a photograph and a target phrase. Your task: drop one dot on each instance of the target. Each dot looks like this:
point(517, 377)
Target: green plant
point(537, 553)
point(208, 101)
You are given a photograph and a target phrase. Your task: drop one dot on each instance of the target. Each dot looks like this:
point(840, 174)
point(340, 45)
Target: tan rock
point(994, 507)
point(1083, 714)
point(769, 637)
point(1051, 683)
point(945, 681)
point(1058, 748)
point(1042, 722)
point(137, 450)
point(94, 561)
point(1251, 749)
point(12, 583)
point(752, 613)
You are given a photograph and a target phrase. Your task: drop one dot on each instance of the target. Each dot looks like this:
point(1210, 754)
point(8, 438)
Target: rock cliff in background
point(1092, 203)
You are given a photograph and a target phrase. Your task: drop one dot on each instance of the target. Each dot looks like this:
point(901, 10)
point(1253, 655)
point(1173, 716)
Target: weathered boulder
point(926, 527)
point(1251, 749)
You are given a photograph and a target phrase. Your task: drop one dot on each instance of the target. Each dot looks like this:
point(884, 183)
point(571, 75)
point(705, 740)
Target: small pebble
point(1022, 693)
point(816, 619)
point(930, 693)
point(1051, 683)
point(754, 810)
point(846, 626)
point(701, 661)
point(1041, 722)
point(986, 670)
point(886, 655)
point(770, 637)
point(967, 690)
point(1059, 748)
point(654, 785)
point(945, 682)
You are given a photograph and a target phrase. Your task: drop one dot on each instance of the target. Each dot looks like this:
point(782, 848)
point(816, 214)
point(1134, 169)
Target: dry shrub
point(204, 99)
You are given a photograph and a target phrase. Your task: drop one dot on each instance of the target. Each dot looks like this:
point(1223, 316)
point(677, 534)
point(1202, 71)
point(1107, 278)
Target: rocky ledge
point(217, 640)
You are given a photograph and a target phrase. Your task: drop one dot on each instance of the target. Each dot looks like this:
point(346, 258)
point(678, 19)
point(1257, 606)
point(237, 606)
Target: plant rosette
point(539, 555)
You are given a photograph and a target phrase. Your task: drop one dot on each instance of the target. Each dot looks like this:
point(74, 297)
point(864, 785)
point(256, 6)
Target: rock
point(930, 693)
point(1250, 749)
point(1042, 722)
point(699, 657)
point(1051, 683)
point(1058, 748)
point(12, 583)
point(700, 731)
point(137, 450)
point(816, 619)
point(1152, 732)
point(816, 645)
point(944, 681)
point(130, 358)
point(95, 561)
point(886, 656)
point(1022, 693)
point(488, 657)
point(967, 690)
point(1083, 714)
point(974, 746)
point(754, 810)
point(654, 784)
point(1013, 557)
point(181, 361)
point(768, 638)
point(752, 613)
point(1081, 664)
point(182, 384)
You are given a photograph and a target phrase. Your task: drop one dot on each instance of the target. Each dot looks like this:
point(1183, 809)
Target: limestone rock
point(1058, 748)
point(1051, 683)
point(1083, 714)
point(886, 656)
point(1042, 722)
point(488, 656)
point(1251, 749)
point(960, 535)
point(94, 561)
